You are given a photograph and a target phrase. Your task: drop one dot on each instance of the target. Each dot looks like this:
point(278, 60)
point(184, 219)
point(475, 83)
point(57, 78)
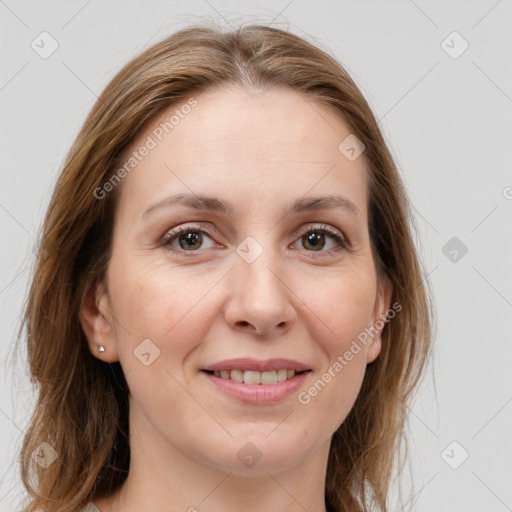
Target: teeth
point(268, 377)
point(237, 375)
point(253, 377)
point(281, 375)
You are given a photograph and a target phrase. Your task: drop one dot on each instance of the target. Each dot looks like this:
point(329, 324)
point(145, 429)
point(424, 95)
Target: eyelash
point(173, 234)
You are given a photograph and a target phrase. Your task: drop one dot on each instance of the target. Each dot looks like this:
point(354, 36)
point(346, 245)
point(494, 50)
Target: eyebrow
point(303, 204)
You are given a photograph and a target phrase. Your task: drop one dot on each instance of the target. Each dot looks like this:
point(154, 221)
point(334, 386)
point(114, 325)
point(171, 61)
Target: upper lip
point(257, 365)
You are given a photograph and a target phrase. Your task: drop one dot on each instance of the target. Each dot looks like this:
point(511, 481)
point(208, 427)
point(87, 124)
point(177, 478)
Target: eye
point(314, 239)
point(187, 238)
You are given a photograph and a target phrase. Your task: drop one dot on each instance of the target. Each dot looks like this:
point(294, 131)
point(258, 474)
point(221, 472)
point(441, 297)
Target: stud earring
point(101, 348)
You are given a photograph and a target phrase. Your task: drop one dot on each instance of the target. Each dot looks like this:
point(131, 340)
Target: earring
point(101, 348)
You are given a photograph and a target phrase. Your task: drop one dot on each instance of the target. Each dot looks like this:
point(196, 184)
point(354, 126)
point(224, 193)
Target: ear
point(380, 310)
point(97, 323)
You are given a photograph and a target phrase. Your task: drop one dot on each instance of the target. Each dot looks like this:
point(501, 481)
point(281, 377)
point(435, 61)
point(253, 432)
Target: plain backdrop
point(438, 77)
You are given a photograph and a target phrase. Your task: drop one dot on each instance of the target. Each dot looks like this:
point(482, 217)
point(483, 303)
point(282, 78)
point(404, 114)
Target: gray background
point(448, 120)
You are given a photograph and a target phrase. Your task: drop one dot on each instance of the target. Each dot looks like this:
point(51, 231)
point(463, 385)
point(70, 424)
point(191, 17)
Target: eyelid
point(183, 228)
point(324, 228)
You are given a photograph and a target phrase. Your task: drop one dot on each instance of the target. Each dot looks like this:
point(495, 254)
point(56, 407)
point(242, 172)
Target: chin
point(257, 454)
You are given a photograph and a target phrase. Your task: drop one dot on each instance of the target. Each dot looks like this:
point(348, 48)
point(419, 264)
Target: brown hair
point(82, 404)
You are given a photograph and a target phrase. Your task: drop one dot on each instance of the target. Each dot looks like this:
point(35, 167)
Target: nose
point(259, 300)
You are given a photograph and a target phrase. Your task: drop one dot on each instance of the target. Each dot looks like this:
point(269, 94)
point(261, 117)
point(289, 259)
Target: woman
point(228, 310)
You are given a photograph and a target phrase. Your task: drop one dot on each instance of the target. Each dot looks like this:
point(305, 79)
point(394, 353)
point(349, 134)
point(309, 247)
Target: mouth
point(257, 382)
point(253, 377)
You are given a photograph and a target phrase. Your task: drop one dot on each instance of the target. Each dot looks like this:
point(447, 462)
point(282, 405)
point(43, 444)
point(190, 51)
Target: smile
point(251, 386)
point(255, 377)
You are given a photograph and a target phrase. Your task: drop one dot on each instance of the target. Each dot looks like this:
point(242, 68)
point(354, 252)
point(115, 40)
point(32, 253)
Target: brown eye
point(315, 239)
point(186, 239)
point(191, 240)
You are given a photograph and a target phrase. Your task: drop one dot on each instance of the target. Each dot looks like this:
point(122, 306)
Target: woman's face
point(256, 274)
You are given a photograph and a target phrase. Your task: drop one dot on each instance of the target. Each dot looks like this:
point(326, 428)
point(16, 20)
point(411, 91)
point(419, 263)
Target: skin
point(260, 151)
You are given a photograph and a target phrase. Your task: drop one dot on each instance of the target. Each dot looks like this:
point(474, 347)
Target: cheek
point(337, 317)
point(170, 309)
point(167, 306)
point(341, 309)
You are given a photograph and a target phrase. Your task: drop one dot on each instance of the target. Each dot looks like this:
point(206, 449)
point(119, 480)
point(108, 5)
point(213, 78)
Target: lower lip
point(258, 393)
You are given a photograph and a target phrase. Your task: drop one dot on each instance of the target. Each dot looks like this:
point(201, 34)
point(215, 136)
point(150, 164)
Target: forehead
point(233, 141)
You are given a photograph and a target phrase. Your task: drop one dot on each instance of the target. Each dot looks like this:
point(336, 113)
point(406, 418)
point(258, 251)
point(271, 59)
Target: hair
point(82, 403)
